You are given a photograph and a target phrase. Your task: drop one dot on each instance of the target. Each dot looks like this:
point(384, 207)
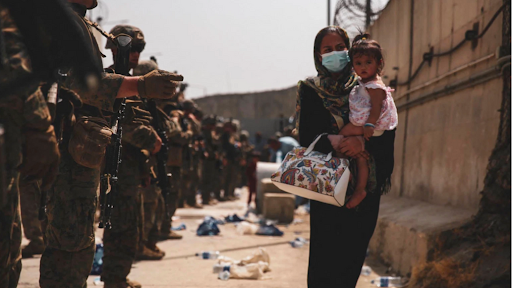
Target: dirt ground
point(180, 268)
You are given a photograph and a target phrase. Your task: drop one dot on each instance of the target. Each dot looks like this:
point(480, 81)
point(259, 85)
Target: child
point(251, 174)
point(372, 109)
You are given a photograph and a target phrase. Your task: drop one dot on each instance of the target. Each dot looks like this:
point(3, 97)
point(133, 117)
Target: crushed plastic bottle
point(217, 268)
point(299, 242)
point(366, 271)
point(182, 226)
point(388, 282)
point(208, 254)
point(224, 275)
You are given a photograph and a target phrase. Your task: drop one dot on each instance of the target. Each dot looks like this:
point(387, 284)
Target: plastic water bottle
point(296, 244)
point(366, 271)
point(208, 254)
point(224, 275)
point(217, 268)
point(388, 282)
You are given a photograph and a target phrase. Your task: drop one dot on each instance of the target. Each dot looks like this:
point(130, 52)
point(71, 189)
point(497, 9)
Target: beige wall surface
point(259, 111)
point(442, 146)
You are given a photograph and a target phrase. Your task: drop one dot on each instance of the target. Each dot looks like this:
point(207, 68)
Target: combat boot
point(35, 247)
point(155, 248)
point(147, 254)
point(170, 236)
point(124, 284)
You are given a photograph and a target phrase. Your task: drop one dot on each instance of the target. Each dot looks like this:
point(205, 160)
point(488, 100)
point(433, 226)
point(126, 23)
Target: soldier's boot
point(125, 284)
point(34, 247)
point(156, 249)
point(147, 254)
point(171, 235)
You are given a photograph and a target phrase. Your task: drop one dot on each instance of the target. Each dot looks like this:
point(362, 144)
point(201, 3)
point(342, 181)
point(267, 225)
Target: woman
point(339, 236)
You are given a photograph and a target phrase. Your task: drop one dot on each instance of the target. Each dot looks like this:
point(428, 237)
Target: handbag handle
point(312, 146)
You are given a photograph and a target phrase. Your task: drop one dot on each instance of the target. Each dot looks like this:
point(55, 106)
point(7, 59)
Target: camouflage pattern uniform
point(210, 159)
point(190, 159)
point(176, 143)
point(24, 111)
point(154, 209)
point(69, 253)
point(245, 152)
point(121, 241)
point(30, 200)
point(230, 159)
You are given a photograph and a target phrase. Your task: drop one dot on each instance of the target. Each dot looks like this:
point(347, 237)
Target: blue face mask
point(335, 61)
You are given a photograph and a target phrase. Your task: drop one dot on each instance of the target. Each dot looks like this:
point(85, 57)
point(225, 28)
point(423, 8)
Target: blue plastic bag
point(269, 230)
point(233, 218)
point(208, 227)
point(97, 264)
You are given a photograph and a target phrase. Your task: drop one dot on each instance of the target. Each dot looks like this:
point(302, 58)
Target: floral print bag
point(314, 175)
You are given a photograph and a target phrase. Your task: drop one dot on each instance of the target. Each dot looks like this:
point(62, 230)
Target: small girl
point(372, 109)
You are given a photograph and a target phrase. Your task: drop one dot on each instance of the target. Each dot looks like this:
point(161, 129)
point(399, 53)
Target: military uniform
point(210, 159)
point(68, 257)
point(190, 158)
point(121, 241)
point(30, 200)
point(20, 113)
point(174, 164)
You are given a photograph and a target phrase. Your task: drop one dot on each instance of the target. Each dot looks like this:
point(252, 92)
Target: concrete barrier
point(279, 206)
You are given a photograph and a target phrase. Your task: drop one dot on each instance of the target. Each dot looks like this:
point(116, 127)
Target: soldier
point(230, 156)
point(174, 164)
point(188, 170)
point(30, 198)
point(68, 257)
point(218, 178)
point(25, 119)
point(140, 141)
point(209, 160)
point(153, 211)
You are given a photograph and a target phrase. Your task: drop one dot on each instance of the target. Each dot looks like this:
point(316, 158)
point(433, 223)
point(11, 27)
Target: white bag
point(314, 175)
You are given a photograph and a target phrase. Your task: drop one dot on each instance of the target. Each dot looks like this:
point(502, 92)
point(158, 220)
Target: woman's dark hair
point(327, 30)
point(363, 45)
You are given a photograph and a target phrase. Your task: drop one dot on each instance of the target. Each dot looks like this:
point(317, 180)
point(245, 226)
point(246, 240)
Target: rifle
point(162, 155)
point(113, 153)
point(58, 112)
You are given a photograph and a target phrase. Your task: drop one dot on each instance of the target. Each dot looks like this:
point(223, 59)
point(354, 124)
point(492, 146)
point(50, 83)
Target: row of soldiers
point(68, 134)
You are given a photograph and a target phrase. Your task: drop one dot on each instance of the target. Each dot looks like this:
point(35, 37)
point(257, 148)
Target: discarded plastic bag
point(260, 255)
point(250, 271)
point(208, 227)
point(97, 264)
point(233, 218)
point(269, 230)
point(246, 228)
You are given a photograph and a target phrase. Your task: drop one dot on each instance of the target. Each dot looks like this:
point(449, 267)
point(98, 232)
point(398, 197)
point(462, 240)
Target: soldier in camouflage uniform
point(27, 123)
point(210, 159)
point(68, 257)
point(153, 211)
point(190, 157)
point(140, 141)
point(230, 159)
point(30, 200)
point(181, 138)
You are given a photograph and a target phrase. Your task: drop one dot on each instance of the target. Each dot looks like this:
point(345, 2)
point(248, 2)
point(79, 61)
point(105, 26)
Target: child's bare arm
point(376, 98)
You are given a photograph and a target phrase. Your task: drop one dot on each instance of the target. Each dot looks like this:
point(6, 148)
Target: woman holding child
point(347, 107)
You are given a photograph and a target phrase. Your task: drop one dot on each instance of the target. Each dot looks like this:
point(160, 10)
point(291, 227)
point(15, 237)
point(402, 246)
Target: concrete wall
point(442, 146)
point(259, 111)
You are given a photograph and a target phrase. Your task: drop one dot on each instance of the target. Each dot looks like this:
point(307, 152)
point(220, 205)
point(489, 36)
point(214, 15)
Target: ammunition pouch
point(89, 140)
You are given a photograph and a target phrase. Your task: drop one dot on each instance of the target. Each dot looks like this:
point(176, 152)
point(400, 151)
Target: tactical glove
point(158, 84)
point(139, 116)
point(41, 156)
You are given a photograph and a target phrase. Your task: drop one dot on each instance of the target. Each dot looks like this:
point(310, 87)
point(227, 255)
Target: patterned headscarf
point(334, 92)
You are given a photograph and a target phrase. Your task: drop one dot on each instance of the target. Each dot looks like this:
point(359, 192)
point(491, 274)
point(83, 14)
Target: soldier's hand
point(138, 116)
point(158, 84)
point(41, 156)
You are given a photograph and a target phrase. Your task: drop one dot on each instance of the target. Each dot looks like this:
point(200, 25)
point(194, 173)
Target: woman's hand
point(335, 141)
point(351, 146)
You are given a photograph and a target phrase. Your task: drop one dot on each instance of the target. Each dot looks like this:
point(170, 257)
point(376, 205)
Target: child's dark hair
point(362, 45)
